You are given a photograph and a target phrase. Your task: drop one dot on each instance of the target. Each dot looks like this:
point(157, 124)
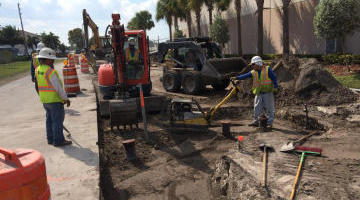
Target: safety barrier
point(71, 61)
point(76, 59)
point(71, 81)
point(84, 67)
point(23, 175)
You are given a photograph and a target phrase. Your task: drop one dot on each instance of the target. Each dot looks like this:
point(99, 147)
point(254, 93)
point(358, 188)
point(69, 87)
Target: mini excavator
point(186, 113)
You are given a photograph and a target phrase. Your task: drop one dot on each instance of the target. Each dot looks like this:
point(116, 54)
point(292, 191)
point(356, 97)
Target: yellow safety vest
point(35, 60)
point(262, 83)
point(129, 57)
point(47, 91)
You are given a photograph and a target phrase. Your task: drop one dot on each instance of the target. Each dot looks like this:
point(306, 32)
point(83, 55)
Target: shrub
point(6, 57)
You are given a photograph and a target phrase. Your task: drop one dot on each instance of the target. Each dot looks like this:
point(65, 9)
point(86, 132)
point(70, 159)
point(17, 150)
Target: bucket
point(23, 175)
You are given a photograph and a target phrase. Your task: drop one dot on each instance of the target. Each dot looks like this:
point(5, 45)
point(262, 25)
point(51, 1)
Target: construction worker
point(53, 97)
point(264, 85)
point(35, 63)
point(131, 53)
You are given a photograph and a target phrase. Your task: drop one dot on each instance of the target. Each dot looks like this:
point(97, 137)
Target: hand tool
point(265, 147)
point(303, 150)
point(290, 146)
point(68, 136)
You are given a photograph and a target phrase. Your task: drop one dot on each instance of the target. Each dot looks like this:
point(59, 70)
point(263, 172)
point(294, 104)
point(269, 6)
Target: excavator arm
point(88, 22)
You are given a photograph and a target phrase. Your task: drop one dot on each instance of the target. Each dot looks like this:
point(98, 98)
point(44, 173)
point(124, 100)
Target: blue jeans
point(264, 100)
point(55, 115)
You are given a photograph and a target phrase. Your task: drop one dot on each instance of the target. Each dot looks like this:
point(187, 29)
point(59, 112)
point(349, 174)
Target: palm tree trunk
point(188, 21)
point(198, 18)
point(286, 48)
point(210, 9)
point(238, 21)
point(176, 24)
point(260, 4)
point(170, 31)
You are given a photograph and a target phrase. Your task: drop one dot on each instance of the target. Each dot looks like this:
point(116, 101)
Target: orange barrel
point(23, 175)
point(76, 58)
point(106, 80)
point(84, 67)
point(71, 81)
point(71, 62)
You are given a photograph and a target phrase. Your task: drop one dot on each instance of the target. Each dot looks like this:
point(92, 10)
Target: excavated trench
point(182, 160)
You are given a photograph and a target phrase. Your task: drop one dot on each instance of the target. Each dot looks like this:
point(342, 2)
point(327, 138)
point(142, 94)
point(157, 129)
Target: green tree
point(196, 6)
point(62, 49)
point(260, 46)
point(76, 38)
point(184, 6)
point(50, 40)
point(163, 11)
point(178, 34)
point(220, 31)
point(9, 35)
point(334, 19)
point(32, 41)
point(142, 20)
point(222, 5)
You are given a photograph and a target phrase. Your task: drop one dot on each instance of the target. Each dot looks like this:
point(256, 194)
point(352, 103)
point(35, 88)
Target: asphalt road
point(72, 170)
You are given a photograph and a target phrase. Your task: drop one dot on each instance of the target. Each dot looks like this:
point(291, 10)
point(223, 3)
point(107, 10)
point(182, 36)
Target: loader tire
point(221, 85)
point(171, 82)
point(192, 83)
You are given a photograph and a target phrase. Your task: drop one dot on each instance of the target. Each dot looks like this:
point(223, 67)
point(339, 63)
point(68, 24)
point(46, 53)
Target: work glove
point(276, 90)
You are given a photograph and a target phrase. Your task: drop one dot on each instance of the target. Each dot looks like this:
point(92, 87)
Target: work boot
point(254, 123)
point(64, 143)
point(269, 126)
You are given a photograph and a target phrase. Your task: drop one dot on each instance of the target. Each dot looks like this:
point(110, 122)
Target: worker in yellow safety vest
point(53, 97)
point(35, 63)
point(131, 53)
point(264, 85)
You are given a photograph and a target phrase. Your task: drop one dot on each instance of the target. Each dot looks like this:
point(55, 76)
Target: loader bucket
point(221, 68)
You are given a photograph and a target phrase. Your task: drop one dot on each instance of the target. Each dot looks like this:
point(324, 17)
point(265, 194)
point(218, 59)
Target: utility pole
point(22, 27)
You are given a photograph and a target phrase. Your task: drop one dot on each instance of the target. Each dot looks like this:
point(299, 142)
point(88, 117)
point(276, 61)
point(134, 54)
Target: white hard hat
point(40, 45)
point(256, 60)
point(47, 53)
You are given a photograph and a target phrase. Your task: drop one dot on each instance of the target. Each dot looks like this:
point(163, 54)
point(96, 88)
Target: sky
point(60, 16)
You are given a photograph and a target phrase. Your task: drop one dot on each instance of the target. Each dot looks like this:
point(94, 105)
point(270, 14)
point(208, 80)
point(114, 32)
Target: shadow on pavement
point(72, 112)
point(83, 154)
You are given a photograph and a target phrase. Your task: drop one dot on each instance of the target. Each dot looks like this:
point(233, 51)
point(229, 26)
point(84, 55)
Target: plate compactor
point(186, 113)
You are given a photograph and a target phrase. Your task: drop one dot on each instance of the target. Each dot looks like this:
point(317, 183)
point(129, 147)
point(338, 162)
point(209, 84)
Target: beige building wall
point(301, 29)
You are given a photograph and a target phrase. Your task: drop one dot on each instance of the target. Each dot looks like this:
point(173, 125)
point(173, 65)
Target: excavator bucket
point(123, 112)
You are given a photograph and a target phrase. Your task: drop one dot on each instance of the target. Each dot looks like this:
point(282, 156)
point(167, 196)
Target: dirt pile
point(306, 81)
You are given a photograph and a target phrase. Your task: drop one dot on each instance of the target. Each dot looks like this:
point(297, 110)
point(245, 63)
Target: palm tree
point(163, 12)
point(260, 5)
point(285, 21)
point(184, 6)
point(238, 22)
point(196, 6)
point(210, 5)
point(222, 5)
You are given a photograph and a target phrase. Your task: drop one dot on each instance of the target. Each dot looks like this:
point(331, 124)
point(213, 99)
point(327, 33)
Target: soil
point(203, 164)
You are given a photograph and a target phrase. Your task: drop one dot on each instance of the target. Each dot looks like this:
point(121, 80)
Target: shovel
point(68, 136)
point(290, 146)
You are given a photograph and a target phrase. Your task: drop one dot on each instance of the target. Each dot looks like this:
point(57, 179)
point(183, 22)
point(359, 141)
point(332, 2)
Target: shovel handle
point(297, 176)
point(306, 136)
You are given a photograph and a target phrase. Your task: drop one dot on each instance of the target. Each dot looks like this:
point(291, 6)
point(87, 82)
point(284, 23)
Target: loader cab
point(136, 58)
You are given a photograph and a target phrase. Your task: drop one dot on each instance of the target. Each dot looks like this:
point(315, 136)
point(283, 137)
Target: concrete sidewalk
point(72, 171)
